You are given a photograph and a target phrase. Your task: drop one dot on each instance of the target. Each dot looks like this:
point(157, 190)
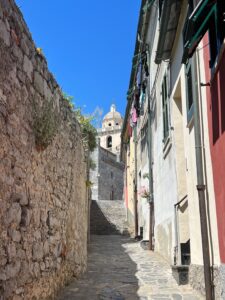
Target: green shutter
point(197, 25)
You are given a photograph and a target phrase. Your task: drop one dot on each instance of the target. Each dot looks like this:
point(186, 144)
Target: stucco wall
point(130, 166)
point(215, 95)
point(43, 206)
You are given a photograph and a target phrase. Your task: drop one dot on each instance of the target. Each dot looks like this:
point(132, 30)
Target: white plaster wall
point(178, 72)
point(143, 205)
point(130, 184)
point(142, 157)
point(165, 187)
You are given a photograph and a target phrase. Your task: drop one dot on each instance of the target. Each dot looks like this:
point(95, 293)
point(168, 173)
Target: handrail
point(185, 197)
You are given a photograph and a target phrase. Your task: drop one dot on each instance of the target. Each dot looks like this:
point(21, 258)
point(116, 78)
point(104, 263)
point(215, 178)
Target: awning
point(196, 26)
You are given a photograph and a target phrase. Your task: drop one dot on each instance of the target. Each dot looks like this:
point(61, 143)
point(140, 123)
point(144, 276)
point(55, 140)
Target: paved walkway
point(119, 269)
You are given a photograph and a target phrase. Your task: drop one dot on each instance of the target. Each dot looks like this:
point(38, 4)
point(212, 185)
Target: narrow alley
point(112, 165)
point(120, 269)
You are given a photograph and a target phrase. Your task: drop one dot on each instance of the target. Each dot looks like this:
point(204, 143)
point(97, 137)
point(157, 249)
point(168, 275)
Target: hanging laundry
point(133, 119)
point(134, 115)
point(144, 86)
point(145, 63)
point(136, 102)
point(139, 75)
point(142, 99)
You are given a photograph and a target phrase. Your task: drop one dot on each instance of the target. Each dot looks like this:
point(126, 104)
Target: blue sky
point(88, 45)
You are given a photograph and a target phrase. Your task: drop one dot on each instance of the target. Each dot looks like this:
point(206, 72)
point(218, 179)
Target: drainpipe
point(176, 256)
point(201, 196)
point(150, 181)
point(135, 184)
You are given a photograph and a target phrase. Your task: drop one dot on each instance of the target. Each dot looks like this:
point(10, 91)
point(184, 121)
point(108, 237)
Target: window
point(191, 88)
point(160, 8)
point(110, 124)
point(117, 124)
point(165, 108)
point(216, 31)
point(207, 16)
point(109, 142)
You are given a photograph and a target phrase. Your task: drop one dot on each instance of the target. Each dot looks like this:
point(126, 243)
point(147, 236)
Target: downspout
point(176, 256)
point(151, 196)
point(201, 197)
point(135, 184)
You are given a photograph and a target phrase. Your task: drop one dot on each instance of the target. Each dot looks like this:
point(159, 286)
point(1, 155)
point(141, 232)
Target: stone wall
point(43, 203)
point(111, 176)
point(107, 176)
point(108, 217)
point(196, 279)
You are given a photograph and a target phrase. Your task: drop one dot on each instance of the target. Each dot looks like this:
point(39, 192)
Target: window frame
point(165, 107)
point(107, 142)
point(191, 66)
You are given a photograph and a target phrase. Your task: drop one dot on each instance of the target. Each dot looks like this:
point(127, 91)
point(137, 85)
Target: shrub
point(45, 123)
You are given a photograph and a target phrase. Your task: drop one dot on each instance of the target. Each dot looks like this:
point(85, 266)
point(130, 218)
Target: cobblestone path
point(119, 269)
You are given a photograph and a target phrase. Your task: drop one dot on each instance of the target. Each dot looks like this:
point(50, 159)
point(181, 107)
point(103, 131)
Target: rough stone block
point(25, 217)
point(36, 216)
point(13, 269)
point(20, 197)
point(4, 33)
point(39, 82)
point(18, 54)
point(24, 45)
point(28, 67)
point(36, 270)
point(46, 248)
point(38, 252)
point(11, 251)
point(14, 214)
point(25, 274)
point(2, 275)
point(15, 235)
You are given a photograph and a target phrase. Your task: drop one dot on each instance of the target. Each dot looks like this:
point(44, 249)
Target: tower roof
point(113, 114)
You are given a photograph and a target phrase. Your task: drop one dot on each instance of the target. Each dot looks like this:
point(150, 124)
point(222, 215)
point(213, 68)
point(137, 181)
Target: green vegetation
point(92, 164)
point(89, 132)
point(45, 123)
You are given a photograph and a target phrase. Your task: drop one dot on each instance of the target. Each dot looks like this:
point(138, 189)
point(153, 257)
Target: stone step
point(108, 217)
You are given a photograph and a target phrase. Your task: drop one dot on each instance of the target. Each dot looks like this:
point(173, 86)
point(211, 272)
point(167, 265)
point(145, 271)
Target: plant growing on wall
point(89, 132)
point(45, 123)
point(144, 191)
point(92, 164)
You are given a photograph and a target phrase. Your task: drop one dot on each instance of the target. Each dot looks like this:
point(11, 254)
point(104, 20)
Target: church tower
point(109, 134)
point(107, 177)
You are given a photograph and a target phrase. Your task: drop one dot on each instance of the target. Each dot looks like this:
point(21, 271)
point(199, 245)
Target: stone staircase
point(108, 217)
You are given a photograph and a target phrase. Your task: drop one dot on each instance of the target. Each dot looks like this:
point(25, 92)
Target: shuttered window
point(165, 108)
point(191, 87)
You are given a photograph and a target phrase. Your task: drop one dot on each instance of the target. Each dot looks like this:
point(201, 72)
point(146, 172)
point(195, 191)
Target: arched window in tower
point(109, 142)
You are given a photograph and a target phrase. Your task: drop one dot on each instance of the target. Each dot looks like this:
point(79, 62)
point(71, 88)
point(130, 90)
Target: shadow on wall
point(110, 274)
point(100, 224)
